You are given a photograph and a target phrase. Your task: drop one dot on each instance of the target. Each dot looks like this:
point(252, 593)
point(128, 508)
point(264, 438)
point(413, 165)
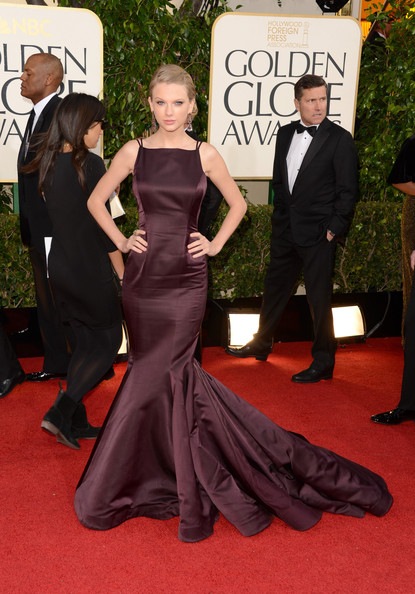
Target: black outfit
point(35, 225)
point(11, 372)
point(322, 199)
point(176, 441)
point(85, 291)
point(81, 274)
point(403, 171)
point(405, 410)
point(407, 400)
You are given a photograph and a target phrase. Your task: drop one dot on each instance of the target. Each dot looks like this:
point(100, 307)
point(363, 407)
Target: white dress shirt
point(298, 148)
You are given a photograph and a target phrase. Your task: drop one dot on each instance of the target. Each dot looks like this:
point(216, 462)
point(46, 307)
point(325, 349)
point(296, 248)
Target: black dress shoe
point(394, 417)
point(250, 350)
point(7, 385)
point(312, 375)
point(81, 428)
point(44, 376)
point(58, 420)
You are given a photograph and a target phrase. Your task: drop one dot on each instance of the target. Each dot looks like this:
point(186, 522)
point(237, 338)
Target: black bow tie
point(310, 129)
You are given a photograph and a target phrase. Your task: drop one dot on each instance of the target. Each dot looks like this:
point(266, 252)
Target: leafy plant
point(16, 276)
point(369, 261)
point(6, 198)
point(386, 100)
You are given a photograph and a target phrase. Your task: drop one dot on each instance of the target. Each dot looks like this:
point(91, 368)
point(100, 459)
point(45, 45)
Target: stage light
point(348, 322)
point(242, 325)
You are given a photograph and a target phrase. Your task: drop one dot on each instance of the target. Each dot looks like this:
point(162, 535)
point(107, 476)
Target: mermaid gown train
point(177, 442)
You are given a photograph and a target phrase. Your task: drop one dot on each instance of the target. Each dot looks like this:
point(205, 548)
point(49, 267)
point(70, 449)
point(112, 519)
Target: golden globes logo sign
point(73, 35)
point(255, 62)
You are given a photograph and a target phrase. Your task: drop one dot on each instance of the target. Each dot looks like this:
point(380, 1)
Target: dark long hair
point(73, 117)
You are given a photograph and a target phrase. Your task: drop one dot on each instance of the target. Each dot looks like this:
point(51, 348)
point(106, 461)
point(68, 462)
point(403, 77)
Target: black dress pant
point(9, 364)
point(287, 260)
point(407, 400)
point(52, 330)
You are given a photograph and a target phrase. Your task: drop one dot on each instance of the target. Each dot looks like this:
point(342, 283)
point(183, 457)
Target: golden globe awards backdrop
point(255, 61)
point(74, 35)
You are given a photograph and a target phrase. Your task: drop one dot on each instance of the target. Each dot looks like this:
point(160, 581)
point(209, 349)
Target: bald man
point(41, 79)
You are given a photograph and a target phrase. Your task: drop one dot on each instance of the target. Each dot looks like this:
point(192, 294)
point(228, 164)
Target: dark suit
point(322, 199)
point(9, 364)
point(35, 225)
point(407, 401)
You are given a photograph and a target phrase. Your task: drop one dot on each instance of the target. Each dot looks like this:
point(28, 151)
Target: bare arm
point(117, 263)
point(215, 167)
point(121, 166)
point(406, 187)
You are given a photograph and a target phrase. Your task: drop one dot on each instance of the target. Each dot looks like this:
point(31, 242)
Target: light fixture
point(348, 322)
point(242, 325)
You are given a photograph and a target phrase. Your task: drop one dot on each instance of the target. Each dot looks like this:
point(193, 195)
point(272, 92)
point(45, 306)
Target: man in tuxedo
point(315, 183)
point(41, 78)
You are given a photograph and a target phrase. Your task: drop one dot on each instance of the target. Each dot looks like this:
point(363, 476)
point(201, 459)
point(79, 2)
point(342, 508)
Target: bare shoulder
point(209, 156)
point(130, 148)
point(127, 155)
point(208, 150)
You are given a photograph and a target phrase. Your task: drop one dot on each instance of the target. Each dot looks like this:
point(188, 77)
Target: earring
point(189, 127)
point(153, 123)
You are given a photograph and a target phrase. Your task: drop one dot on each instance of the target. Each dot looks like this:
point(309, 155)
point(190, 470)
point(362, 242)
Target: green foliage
point(16, 277)
point(239, 269)
point(6, 198)
point(370, 259)
point(386, 101)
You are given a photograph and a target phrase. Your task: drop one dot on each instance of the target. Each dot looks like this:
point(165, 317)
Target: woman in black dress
point(176, 441)
point(79, 261)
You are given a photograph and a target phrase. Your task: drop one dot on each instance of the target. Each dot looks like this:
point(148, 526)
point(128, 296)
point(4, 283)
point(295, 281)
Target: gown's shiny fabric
point(178, 442)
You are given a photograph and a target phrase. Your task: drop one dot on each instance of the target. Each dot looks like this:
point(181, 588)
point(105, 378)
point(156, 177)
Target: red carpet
point(45, 549)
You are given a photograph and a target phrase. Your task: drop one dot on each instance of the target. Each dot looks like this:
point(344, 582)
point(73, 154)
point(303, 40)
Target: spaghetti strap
point(140, 142)
point(198, 144)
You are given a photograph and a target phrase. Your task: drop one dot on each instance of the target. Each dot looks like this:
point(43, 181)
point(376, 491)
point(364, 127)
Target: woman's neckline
point(168, 148)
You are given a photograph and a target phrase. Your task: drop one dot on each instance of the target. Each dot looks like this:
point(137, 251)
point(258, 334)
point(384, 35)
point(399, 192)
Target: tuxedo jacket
point(325, 190)
point(35, 223)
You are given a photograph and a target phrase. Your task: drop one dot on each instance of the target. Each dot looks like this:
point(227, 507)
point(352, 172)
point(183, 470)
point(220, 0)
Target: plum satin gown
point(177, 442)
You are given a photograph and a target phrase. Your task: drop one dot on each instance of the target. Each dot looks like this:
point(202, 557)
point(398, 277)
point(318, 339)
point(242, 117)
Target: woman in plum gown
point(176, 442)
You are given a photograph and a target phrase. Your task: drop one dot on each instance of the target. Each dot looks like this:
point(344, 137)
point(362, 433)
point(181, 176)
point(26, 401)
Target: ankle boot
point(81, 428)
point(58, 420)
